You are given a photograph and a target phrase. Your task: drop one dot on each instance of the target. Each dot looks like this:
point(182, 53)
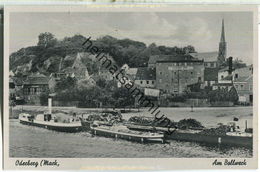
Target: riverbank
point(208, 116)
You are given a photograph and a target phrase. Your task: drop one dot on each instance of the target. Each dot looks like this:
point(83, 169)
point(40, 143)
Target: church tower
point(222, 46)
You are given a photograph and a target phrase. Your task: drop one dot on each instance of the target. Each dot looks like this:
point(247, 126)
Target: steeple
point(222, 46)
point(222, 39)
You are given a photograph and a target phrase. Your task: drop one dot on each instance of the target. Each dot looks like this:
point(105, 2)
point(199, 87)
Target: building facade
point(174, 74)
point(145, 77)
point(34, 86)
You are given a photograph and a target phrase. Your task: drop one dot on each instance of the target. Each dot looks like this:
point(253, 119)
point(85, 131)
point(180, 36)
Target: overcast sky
point(202, 30)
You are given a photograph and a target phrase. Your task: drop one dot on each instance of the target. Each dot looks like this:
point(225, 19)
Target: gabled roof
point(172, 58)
point(144, 73)
point(244, 79)
point(211, 74)
point(206, 56)
point(37, 79)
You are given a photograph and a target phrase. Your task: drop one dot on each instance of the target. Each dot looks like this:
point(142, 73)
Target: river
point(28, 141)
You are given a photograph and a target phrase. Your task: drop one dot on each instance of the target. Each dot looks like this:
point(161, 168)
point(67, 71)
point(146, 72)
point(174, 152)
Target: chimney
point(230, 64)
point(50, 104)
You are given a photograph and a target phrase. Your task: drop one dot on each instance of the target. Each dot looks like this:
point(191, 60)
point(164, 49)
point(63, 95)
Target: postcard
point(140, 87)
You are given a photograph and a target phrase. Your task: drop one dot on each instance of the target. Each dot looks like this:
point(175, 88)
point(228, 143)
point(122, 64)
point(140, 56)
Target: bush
point(189, 123)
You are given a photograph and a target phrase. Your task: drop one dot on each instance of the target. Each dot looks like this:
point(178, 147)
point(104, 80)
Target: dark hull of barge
point(67, 129)
point(200, 138)
point(212, 139)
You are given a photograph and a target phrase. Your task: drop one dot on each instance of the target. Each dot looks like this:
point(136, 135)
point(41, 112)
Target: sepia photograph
point(130, 83)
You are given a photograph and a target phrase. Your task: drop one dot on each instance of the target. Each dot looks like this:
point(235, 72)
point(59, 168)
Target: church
point(216, 58)
point(213, 60)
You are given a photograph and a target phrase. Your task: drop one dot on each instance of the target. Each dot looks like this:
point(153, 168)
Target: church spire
point(222, 46)
point(222, 39)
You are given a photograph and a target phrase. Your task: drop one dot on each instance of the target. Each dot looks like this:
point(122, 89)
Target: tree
point(44, 97)
point(46, 39)
point(189, 49)
point(232, 94)
point(66, 83)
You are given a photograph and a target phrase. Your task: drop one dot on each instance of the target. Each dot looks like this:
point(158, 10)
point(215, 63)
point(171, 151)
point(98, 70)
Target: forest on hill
point(46, 55)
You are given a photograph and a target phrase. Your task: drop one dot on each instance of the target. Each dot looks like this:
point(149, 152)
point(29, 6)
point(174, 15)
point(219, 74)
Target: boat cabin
point(26, 116)
point(45, 117)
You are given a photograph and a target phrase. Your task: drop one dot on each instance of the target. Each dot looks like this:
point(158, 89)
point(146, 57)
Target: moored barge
point(48, 121)
point(121, 132)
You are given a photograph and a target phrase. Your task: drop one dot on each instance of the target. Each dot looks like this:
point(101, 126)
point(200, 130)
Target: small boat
point(50, 121)
point(122, 132)
point(149, 128)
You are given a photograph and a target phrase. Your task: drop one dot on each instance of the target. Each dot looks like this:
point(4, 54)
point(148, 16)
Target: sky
point(199, 29)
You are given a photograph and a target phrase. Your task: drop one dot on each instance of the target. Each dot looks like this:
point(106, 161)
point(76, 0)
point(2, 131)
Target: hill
point(52, 55)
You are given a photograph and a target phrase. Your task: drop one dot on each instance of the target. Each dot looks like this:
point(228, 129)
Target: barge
point(48, 121)
point(230, 139)
point(122, 132)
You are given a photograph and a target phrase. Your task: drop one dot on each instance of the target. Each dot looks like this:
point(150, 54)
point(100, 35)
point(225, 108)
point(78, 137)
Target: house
point(223, 73)
point(210, 76)
point(243, 82)
point(244, 87)
point(54, 79)
point(34, 85)
point(78, 69)
point(227, 86)
point(131, 73)
point(145, 77)
point(243, 72)
point(175, 72)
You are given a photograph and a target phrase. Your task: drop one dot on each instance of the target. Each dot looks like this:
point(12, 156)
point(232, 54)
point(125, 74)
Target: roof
point(224, 69)
point(244, 79)
point(228, 77)
point(37, 79)
point(18, 81)
point(144, 73)
point(223, 84)
point(211, 74)
point(206, 56)
point(172, 58)
point(132, 71)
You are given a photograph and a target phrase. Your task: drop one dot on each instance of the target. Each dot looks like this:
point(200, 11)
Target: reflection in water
point(28, 141)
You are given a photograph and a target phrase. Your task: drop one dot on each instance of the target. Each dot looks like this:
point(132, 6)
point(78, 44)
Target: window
point(222, 76)
point(242, 86)
point(191, 73)
point(160, 73)
point(141, 82)
point(175, 73)
point(211, 64)
point(152, 82)
point(147, 82)
point(236, 75)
